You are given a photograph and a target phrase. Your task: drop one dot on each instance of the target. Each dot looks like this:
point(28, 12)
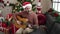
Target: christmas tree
point(18, 6)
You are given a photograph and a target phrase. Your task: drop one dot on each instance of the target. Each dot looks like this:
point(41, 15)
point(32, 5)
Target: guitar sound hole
point(21, 23)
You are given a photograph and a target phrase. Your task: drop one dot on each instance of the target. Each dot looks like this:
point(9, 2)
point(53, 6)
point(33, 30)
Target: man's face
point(28, 9)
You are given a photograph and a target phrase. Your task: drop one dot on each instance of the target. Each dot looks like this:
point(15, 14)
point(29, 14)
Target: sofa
point(47, 27)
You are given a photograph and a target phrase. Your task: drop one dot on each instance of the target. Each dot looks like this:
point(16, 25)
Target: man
point(30, 15)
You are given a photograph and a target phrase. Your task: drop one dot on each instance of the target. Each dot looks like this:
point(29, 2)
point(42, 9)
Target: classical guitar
point(22, 20)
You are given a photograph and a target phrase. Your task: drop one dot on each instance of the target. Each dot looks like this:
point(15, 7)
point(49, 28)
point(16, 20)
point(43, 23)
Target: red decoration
point(50, 10)
point(41, 19)
point(1, 1)
point(8, 16)
point(7, 1)
point(56, 14)
point(12, 28)
point(38, 9)
point(4, 25)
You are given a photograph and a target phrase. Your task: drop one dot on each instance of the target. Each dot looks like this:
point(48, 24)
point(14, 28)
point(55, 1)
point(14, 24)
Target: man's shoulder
point(33, 13)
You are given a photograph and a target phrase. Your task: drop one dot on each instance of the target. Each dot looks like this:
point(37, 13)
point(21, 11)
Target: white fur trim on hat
point(39, 4)
point(27, 5)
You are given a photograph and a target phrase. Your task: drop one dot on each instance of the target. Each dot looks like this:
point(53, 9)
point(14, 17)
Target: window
point(56, 5)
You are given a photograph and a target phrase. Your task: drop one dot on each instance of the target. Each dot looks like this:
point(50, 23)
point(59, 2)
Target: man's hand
point(18, 22)
point(36, 26)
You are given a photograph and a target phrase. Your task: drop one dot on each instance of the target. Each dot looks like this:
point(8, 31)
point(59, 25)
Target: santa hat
point(25, 4)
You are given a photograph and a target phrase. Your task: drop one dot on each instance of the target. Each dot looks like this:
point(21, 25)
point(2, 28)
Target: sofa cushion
point(56, 29)
point(50, 21)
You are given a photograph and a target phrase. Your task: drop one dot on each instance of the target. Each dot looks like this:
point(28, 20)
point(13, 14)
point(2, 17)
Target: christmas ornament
point(15, 7)
point(1, 1)
point(32, 0)
point(8, 3)
point(17, 4)
point(56, 14)
point(14, 11)
point(4, 25)
point(39, 7)
point(9, 17)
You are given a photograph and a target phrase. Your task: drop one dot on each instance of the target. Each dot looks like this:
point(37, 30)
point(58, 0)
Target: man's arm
point(35, 19)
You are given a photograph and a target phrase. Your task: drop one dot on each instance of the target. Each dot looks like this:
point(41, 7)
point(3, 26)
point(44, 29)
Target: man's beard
point(28, 11)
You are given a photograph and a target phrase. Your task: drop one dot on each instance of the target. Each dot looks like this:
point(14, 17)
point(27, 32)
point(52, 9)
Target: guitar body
point(22, 20)
point(19, 26)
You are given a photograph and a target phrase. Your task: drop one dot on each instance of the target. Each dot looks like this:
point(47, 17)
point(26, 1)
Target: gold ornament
point(14, 10)
point(15, 7)
point(31, 0)
point(17, 4)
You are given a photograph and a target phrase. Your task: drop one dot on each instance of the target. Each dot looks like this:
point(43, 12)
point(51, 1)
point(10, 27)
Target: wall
point(46, 4)
point(11, 1)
